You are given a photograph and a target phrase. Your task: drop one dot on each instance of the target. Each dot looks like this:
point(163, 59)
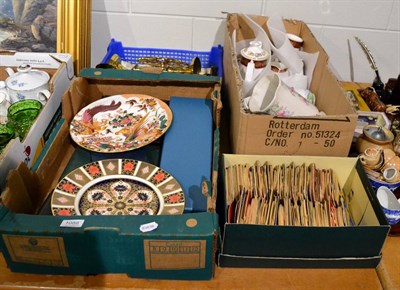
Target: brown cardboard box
point(329, 135)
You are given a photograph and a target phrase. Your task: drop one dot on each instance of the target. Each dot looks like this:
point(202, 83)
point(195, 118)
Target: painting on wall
point(28, 25)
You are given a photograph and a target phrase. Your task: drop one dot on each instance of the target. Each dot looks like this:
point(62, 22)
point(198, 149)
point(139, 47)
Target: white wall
point(200, 24)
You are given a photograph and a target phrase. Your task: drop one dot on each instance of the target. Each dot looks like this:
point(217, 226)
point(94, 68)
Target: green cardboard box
point(181, 246)
point(358, 246)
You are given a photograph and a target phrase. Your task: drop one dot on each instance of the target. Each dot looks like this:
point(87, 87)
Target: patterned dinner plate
point(118, 187)
point(120, 123)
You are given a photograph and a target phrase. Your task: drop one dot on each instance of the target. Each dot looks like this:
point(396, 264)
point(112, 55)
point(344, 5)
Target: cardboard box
point(358, 246)
point(60, 68)
point(329, 135)
point(181, 247)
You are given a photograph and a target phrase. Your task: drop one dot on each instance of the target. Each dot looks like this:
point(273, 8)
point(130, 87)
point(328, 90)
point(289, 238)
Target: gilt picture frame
point(73, 30)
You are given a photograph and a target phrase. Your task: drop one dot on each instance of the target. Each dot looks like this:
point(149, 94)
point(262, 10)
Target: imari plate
point(120, 123)
point(118, 187)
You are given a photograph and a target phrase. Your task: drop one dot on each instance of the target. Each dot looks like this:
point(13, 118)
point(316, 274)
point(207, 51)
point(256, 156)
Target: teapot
point(27, 83)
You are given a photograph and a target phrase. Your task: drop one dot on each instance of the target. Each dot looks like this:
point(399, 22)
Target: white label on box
point(148, 227)
point(72, 223)
point(308, 133)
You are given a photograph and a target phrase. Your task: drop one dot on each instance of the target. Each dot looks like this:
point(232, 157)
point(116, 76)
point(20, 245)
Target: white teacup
point(270, 95)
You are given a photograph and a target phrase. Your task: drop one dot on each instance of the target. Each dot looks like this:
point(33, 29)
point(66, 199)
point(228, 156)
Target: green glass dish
point(22, 115)
point(6, 134)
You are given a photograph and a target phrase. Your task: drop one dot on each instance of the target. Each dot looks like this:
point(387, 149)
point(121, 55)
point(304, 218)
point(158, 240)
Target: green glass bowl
point(6, 134)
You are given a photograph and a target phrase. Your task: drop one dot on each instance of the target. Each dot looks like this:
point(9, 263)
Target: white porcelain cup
point(270, 95)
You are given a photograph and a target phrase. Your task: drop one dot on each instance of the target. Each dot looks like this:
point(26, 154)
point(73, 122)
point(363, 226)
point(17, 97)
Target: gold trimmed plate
point(120, 123)
point(118, 187)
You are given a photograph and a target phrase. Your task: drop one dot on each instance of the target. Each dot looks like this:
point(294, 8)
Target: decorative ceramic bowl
point(376, 183)
point(389, 204)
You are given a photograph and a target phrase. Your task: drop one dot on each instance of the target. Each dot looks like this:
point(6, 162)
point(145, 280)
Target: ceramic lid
point(378, 133)
point(294, 37)
point(27, 79)
point(255, 51)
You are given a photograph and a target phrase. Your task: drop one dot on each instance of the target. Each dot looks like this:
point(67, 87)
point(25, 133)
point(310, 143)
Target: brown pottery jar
point(375, 136)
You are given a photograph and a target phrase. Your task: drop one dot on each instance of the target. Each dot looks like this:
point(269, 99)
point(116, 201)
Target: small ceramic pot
point(28, 83)
point(253, 61)
point(254, 53)
point(296, 41)
point(374, 136)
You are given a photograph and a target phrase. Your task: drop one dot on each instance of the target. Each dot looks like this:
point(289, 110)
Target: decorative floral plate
point(120, 123)
point(118, 187)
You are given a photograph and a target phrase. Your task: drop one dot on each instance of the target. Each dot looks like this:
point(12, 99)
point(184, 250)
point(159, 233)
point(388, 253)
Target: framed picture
point(28, 26)
point(47, 26)
point(354, 96)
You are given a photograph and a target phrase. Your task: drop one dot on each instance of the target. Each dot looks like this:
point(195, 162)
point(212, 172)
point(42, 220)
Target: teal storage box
point(176, 246)
point(289, 246)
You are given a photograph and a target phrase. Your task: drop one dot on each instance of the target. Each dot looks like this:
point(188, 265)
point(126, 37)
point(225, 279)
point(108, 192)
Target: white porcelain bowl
point(390, 204)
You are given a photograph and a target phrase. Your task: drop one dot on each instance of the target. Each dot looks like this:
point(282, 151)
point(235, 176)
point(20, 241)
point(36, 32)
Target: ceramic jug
point(4, 103)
